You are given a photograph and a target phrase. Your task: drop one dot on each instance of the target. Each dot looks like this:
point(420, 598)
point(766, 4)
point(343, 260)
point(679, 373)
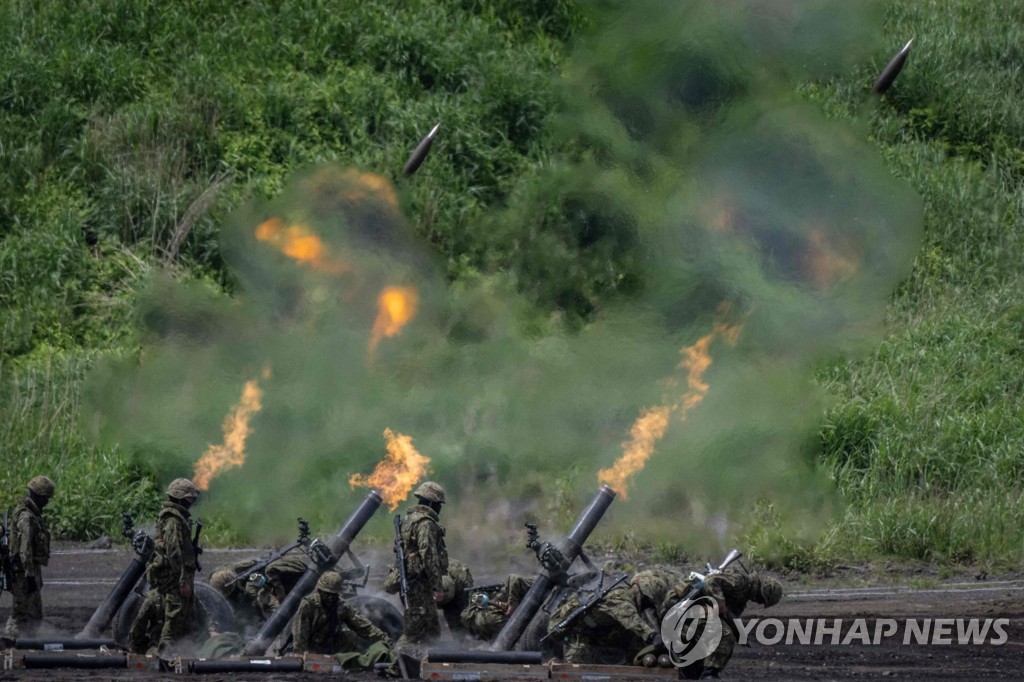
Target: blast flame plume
point(300, 243)
point(650, 426)
point(396, 474)
point(397, 305)
point(231, 453)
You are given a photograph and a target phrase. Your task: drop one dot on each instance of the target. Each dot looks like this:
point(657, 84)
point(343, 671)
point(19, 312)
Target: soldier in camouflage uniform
point(487, 612)
point(455, 586)
point(732, 590)
point(426, 564)
point(171, 572)
point(613, 630)
point(29, 552)
point(256, 598)
point(326, 624)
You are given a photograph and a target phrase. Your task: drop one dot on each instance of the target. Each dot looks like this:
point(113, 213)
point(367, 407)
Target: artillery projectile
point(420, 153)
point(337, 546)
point(891, 70)
point(570, 548)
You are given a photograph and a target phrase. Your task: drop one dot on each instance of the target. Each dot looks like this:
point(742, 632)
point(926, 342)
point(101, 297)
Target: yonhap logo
point(691, 630)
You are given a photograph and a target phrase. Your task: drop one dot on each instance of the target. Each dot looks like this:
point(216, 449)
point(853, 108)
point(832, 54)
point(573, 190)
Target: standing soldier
point(426, 564)
point(29, 552)
point(172, 568)
point(327, 624)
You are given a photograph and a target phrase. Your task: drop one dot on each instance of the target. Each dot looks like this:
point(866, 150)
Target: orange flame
point(301, 244)
point(397, 306)
point(397, 473)
point(231, 453)
point(650, 426)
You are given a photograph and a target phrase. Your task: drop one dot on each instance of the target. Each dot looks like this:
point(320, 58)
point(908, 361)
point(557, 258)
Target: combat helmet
point(771, 591)
point(182, 489)
point(651, 586)
point(330, 582)
point(456, 580)
point(429, 490)
point(220, 579)
point(42, 486)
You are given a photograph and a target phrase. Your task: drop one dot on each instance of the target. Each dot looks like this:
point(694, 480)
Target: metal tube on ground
point(61, 643)
point(542, 586)
point(79, 661)
point(338, 545)
point(478, 656)
point(104, 613)
point(277, 665)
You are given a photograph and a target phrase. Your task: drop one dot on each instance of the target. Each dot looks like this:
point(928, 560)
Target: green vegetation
point(128, 133)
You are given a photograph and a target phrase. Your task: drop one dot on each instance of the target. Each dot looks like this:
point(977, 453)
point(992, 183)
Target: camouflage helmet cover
point(429, 490)
point(330, 582)
point(771, 591)
point(457, 579)
point(220, 579)
point(651, 585)
point(182, 489)
point(41, 485)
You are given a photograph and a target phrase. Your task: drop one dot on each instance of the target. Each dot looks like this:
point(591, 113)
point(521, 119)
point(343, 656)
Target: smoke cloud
point(681, 145)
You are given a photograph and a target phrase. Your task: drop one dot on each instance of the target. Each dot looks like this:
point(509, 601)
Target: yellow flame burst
point(650, 426)
point(396, 474)
point(300, 243)
point(396, 306)
point(231, 453)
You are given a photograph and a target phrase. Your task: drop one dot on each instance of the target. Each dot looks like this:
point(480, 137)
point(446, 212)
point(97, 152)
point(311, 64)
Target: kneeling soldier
point(326, 624)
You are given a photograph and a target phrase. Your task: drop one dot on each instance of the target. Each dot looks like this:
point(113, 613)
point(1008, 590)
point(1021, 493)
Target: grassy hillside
point(127, 134)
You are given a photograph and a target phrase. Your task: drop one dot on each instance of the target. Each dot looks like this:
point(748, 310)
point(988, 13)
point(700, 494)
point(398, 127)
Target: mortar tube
point(477, 656)
point(570, 548)
point(104, 613)
point(339, 544)
point(61, 643)
point(276, 665)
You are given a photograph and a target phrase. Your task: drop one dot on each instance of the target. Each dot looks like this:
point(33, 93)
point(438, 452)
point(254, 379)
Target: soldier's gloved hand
point(30, 584)
point(185, 590)
point(438, 597)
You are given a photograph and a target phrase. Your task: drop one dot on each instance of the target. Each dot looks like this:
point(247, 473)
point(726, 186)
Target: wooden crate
point(314, 663)
point(602, 673)
point(471, 672)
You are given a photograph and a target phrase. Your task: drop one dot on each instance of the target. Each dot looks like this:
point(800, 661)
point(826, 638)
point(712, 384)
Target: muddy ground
point(79, 578)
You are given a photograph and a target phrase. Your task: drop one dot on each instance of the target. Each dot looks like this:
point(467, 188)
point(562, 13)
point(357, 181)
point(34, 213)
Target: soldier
point(613, 630)
point(455, 585)
point(731, 590)
point(171, 571)
point(487, 612)
point(29, 552)
point(326, 624)
point(426, 563)
point(256, 598)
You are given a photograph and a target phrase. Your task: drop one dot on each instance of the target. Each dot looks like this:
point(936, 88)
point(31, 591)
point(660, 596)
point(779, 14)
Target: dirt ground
point(79, 578)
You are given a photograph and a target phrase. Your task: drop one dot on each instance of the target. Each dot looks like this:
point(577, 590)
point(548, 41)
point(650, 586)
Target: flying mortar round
point(891, 70)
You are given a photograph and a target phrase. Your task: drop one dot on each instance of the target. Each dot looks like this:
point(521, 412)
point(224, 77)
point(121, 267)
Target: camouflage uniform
point(455, 585)
point(617, 627)
point(171, 571)
point(319, 628)
point(426, 563)
point(254, 600)
point(29, 552)
point(732, 590)
point(487, 613)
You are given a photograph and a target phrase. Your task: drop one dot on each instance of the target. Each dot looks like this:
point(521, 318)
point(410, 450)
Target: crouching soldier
point(29, 552)
point(255, 598)
point(326, 624)
point(617, 627)
point(731, 590)
point(489, 610)
point(455, 587)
